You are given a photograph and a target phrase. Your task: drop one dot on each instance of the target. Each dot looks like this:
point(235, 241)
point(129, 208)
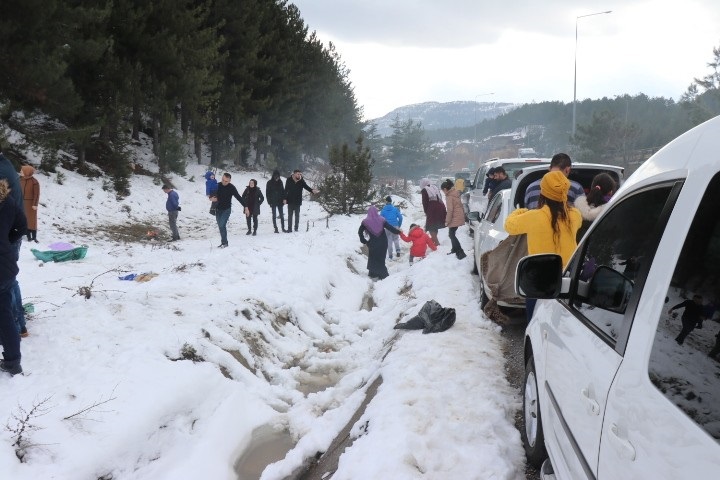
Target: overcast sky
point(401, 52)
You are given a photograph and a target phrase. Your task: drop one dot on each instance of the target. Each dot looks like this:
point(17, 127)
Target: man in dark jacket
point(502, 181)
point(8, 172)
point(692, 316)
point(293, 197)
point(12, 226)
point(489, 181)
point(275, 194)
point(225, 193)
point(172, 205)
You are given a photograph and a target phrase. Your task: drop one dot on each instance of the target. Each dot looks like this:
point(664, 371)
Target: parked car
point(489, 227)
point(474, 200)
point(465, 176)
point(610, 391)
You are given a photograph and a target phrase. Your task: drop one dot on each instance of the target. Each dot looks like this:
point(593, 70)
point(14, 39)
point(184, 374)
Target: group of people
point(554, 211)
point(19, 201)
point(380, 230)
point(221, 194)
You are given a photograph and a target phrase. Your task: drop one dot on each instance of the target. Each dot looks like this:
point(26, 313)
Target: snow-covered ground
point(286, 330)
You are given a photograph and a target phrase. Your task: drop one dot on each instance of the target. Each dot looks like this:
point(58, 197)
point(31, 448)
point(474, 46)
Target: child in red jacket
point(420, 241)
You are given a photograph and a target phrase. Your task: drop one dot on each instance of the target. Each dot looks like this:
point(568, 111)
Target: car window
point(494, 209)
point(512, 167)
point(685, 360)
point(606, 266)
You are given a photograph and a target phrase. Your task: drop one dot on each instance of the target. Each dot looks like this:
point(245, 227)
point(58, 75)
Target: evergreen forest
point(233, 77)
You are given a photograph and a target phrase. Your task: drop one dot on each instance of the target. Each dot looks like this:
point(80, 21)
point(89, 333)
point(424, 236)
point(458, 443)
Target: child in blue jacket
point(211, 188)
point(393, 216)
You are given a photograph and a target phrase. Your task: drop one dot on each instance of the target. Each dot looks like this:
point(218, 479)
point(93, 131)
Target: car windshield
point(512, 167)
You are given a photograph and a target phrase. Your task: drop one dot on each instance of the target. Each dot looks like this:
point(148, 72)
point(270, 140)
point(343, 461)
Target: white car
point(611, 390)
point(489, 227)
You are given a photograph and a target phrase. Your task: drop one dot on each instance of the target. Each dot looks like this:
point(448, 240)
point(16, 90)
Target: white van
point(622, 367)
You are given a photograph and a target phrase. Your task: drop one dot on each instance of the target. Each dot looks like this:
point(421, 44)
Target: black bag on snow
point(432, 318)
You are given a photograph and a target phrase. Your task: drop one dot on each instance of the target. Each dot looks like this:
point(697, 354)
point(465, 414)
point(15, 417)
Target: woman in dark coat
point(12, 227)
point(253, 197)
point(434, 209)
point(372, 233)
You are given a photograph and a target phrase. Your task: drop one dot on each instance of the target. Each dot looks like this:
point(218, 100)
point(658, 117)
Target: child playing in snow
point(420, 241)
point(211, 188)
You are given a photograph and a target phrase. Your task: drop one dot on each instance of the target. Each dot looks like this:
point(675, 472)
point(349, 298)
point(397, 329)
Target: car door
point(662, 419)
point(477, 202)
point(583, 336)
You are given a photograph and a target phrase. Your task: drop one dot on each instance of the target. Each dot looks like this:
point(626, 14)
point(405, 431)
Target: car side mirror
point(539, 276)
point(609, 290)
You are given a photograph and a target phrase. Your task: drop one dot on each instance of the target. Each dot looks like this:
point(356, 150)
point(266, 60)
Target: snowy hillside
point(436, 115)
point(186, 374)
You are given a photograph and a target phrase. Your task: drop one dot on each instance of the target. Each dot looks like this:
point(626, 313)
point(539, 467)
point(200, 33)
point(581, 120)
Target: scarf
point(374, 223)
point(432, 190)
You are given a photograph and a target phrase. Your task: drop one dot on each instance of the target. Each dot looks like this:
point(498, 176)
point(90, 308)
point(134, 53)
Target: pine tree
point(702, 98)
point(410, 153)
point(347, 188)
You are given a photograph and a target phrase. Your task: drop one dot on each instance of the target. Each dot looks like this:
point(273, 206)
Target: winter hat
point(554, 186)
point(490, 171)
point(388, 199)
point(27, 170)
point(166, 187)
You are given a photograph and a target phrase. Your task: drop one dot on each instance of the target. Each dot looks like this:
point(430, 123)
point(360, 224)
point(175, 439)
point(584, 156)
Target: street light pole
point(575, 77)
point(477, 159)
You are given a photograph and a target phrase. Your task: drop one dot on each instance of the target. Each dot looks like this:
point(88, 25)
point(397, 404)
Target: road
point(513, 333)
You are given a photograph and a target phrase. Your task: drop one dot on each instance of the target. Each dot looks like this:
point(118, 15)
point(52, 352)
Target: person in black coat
point(253, 198)
point(293, 197)
point(224, 195)
point(275, 194)
point(8, 172)
point(13, 226)
point(372, 234)
point(692, 316)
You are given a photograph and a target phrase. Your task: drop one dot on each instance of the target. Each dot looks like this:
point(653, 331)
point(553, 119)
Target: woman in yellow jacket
point(551, 228)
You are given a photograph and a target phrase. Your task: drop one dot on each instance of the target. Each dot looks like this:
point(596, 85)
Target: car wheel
point(532, 433)
point(483, 296)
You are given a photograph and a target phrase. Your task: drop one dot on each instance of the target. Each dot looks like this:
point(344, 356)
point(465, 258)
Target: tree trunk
point(135, 120)
point(198, 147)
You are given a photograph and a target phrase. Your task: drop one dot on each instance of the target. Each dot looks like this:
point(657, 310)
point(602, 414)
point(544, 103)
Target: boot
point(254, 232)
point(12, 367)
point(276, 230)
point(34, 236)
point(282, 224)
point(248, 232)
point(461, 254)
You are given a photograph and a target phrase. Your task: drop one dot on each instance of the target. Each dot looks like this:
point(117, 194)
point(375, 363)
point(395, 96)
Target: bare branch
point(99, 402)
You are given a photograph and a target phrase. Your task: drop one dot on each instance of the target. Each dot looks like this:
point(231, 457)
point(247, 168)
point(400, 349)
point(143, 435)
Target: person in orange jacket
point(420, 242)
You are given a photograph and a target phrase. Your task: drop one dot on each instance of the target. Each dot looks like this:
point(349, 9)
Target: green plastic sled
point(61, 256)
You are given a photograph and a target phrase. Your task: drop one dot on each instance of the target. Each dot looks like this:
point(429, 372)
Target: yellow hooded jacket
point(536, 224)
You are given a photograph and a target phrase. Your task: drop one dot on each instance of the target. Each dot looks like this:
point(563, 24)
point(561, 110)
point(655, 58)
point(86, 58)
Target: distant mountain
point(436, 115)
